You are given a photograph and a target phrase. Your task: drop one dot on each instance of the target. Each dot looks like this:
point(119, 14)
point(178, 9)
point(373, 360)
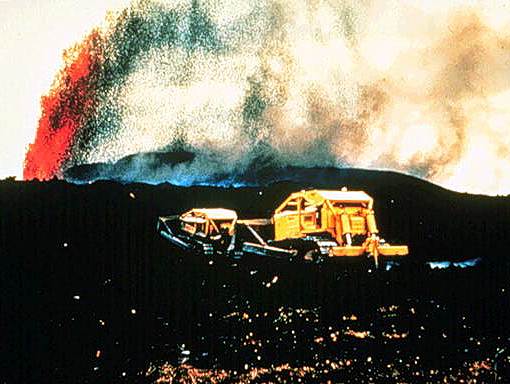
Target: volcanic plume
point(417, 88)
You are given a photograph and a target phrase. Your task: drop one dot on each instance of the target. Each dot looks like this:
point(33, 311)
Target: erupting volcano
point(414, 88)
point(238, 147)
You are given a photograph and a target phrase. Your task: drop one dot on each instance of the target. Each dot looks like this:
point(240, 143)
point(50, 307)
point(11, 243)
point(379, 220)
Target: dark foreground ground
point(90, 293)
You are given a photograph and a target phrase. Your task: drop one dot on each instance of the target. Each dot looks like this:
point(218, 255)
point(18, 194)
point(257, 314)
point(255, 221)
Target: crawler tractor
point(339, 224)
point(207, 230)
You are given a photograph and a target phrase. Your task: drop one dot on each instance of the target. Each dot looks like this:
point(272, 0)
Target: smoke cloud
point(417, 87)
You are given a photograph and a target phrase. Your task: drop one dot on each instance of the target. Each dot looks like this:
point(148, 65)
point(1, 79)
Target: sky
point(33, 37)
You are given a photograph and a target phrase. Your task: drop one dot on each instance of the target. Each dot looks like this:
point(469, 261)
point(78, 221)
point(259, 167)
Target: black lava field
point(90, 293)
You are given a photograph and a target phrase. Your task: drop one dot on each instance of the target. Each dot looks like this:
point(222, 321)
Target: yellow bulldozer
point(327, 224)
point(206, 230)
point(347, 216)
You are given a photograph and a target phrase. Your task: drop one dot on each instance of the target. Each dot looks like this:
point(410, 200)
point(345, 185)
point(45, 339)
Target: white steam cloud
point(421, 87)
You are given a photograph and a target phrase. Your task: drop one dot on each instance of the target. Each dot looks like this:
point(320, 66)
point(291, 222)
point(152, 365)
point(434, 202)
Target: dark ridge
point(262, 170)
point(141, 163)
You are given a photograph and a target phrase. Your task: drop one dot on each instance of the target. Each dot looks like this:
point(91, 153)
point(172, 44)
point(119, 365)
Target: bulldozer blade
point(348, 250)
point(393, 250)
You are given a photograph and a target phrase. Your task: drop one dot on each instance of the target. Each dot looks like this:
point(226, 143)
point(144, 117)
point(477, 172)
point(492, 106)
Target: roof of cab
point(319, 196)
point(211, 213)
point(348, 196)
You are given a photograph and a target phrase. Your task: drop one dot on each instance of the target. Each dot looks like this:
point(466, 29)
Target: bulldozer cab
point(347, 216)
point(209, 222)
point(343, 214)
